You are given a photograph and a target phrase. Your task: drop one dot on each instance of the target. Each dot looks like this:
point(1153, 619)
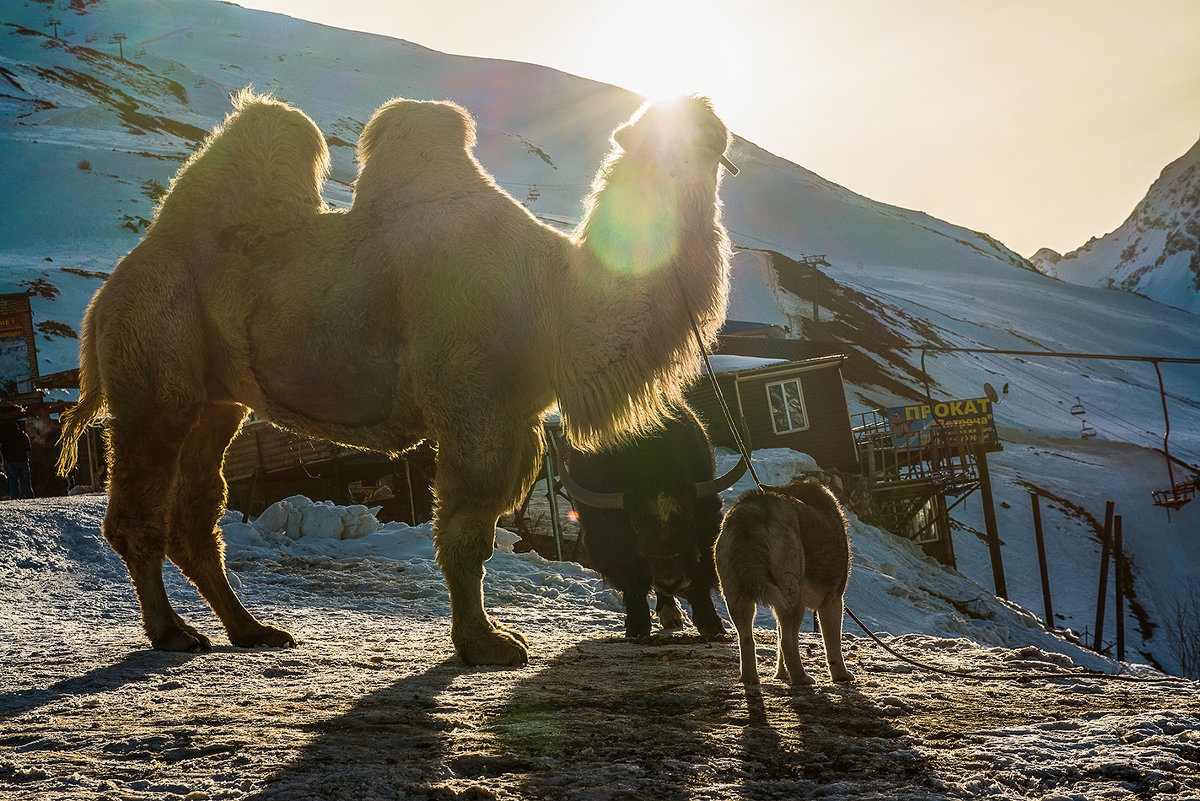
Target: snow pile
point(298, 517)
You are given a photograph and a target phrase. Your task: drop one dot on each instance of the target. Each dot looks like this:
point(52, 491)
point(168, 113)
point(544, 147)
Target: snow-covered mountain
point(1155, 252)
point(96, 120)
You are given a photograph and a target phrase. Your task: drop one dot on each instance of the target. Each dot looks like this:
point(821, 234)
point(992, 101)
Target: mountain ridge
point(1155, 252)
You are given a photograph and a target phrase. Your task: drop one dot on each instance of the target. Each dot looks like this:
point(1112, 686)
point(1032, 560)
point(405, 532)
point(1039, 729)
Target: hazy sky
point(1040, 122)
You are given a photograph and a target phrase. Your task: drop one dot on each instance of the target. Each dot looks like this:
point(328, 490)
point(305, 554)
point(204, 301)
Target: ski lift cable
point(1132, 430)
point(1155, 360)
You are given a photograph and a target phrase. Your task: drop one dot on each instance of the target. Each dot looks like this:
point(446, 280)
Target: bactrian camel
point(435, 308)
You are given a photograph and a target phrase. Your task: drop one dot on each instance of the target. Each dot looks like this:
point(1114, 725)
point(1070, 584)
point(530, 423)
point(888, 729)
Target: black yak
point(649, 513)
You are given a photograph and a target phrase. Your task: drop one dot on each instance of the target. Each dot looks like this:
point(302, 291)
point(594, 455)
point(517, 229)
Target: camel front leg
point(479, 477)
point(464, 542)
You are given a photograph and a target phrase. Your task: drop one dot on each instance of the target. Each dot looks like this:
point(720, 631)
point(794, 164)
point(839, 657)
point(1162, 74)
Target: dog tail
point(764, 547)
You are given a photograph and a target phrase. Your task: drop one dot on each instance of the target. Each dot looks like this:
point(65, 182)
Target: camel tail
point(90, 407)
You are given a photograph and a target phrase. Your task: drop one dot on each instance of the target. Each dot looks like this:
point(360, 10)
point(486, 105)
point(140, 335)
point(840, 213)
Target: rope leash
point(1082, 673)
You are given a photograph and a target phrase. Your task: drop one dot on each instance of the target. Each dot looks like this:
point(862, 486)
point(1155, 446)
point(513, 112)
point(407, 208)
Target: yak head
point(665, 534)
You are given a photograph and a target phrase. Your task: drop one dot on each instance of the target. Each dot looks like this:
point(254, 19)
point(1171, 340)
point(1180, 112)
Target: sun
point(669, 48)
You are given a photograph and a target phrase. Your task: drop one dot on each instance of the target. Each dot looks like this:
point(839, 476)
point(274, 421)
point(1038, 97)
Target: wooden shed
point(781, 404)
point(264, 464)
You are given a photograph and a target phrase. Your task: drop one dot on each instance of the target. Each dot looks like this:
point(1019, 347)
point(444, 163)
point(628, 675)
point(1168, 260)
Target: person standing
point(14, 448)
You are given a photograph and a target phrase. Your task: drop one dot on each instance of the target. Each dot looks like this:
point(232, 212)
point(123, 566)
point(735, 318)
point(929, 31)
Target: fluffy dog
point(787, 548)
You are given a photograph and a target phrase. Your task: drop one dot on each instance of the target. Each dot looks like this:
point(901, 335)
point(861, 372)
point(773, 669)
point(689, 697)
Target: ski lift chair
point(1078, 409)
point(1179, 495)
point(1181, 492)
point(1086, 432)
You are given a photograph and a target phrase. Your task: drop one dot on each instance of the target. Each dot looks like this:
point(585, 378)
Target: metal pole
point(1119, 585)
point(1041, 552)
point(989, 521)
point(412, 499)
point(550, 460)
point(1101, 597)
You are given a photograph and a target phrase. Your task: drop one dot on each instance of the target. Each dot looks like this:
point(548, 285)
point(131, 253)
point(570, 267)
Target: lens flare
point(638, 229)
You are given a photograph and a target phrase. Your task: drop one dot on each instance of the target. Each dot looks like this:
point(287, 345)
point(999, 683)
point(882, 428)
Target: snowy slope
point(1156, 252)
point(88, 140)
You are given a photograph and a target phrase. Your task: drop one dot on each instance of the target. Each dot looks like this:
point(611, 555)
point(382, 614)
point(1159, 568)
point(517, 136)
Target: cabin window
point(787, 406)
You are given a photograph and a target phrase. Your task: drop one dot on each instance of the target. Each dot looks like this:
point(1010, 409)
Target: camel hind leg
point(194, 540)
point(143, 474)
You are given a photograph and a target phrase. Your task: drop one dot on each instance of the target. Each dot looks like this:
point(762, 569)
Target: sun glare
point(667, 48)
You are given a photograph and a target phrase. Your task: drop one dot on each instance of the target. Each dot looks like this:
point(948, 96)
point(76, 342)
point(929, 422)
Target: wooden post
point(1101, 597)
point(1119, 586)
point(551, 459)
point(989, 521)
point(1041, 552)
point(944, 531)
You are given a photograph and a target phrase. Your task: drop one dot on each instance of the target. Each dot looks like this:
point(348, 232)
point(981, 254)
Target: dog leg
point(830, 614)
point(789, 667)
point(741, 612)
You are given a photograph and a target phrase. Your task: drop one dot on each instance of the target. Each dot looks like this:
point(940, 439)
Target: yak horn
point(599, 500)
point(721, 483)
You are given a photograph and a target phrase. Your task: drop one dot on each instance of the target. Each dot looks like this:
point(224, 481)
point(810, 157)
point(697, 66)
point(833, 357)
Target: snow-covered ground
point(373, 703)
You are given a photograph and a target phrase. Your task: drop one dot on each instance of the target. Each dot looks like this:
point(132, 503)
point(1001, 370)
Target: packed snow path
point(373, 703)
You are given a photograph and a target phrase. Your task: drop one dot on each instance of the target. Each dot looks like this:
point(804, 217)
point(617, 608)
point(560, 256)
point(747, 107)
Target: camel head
point(652, 261)
point(681, 135)
point(658, 188)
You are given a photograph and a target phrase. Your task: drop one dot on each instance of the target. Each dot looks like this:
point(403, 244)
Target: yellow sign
point(962, 421)
point(12, 326)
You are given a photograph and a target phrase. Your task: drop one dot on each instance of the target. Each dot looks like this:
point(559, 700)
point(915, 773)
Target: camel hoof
point(845, 677)
point(264, 637)
point(516, 635)
point(749, 679)
point(181, 639)
point(805, 680)
point(500, 646)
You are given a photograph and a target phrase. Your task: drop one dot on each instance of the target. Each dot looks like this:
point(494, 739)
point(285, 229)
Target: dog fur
point(786, 548)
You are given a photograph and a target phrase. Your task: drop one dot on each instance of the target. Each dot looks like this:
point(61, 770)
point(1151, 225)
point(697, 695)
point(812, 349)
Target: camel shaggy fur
point(435, 308)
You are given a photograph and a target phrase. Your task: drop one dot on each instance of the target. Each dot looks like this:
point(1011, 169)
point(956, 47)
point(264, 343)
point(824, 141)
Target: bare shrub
point(1182, 632)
